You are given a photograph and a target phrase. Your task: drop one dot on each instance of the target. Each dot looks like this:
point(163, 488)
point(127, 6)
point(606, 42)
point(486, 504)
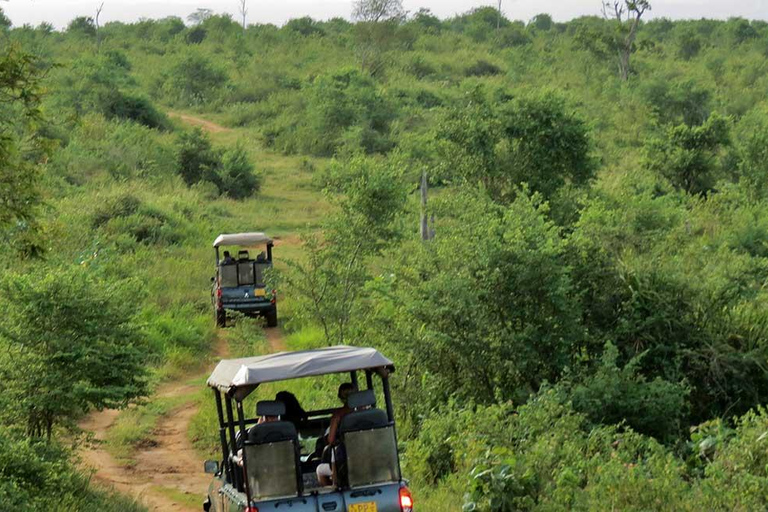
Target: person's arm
point(335, 420)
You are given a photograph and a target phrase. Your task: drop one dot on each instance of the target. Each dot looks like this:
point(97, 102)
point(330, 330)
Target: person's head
point(227, 255)
point(345, 390)
point(292, 407)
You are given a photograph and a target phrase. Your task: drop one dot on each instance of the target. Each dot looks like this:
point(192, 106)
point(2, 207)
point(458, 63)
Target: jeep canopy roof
point(242, 239)
point(241, 376)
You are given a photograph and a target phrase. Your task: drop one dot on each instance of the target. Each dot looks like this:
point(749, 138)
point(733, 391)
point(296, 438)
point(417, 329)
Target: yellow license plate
point(369, 506)
point(260, 292)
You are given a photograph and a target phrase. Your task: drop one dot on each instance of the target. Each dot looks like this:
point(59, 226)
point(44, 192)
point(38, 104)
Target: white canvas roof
point(242, 239)
point(244, 375)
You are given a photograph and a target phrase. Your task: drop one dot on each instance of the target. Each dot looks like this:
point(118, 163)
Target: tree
point(375, 11)
point(542, 22)
point(5, 22)
point(376, 31)
point(83, 26)
point(20, 83)
point(194, 79)
point(370, 196)
point(626, 15)
point(533, 140)
point(686, 155)
point(70, 345)
point(476, 306)
point(199, 16)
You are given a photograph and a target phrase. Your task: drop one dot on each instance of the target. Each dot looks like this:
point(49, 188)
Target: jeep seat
point(272, 452)
point(364, 415)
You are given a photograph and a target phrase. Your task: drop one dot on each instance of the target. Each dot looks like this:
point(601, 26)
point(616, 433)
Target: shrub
point(230, 171)
point(138, 109)
point(482, 68)
point(614, 395)
point(238, 177)
point(196, 158)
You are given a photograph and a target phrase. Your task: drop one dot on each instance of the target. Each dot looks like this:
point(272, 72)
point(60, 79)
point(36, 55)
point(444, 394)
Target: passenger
point(238, 459)
point(325, 469)
point(261, 258)
point(228, 259)
point(293, 410)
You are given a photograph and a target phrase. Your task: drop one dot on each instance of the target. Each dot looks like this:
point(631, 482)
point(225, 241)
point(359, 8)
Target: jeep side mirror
point(211, 467)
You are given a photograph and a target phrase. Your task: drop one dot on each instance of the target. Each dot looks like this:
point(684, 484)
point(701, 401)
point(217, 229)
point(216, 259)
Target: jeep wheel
point(220, 317)
point(272, 317)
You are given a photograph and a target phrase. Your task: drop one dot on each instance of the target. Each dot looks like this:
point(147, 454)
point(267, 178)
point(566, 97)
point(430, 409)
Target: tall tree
point(374, 11)
point(626, 15)
point(199, 16)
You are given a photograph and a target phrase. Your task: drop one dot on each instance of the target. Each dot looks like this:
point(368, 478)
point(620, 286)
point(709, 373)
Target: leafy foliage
point(69, 346)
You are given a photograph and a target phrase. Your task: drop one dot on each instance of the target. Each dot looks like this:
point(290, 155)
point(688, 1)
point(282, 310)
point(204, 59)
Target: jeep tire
point(220, 316)
point(271, 317)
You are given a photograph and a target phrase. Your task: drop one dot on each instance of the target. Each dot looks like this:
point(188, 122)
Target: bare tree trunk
point(244, 12)
point(498, 20)
point(98, 32)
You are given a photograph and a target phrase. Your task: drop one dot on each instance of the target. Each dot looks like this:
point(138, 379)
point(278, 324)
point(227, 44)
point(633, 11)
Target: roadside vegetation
point(587, 329)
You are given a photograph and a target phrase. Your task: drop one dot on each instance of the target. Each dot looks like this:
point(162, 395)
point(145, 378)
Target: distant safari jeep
point(240, 283)
point(271, 461)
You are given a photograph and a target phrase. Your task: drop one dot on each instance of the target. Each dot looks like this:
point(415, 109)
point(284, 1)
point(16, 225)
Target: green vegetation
point(589, 325)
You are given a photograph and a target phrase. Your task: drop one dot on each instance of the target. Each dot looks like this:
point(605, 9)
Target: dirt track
point(206, 125)
point(168, 473)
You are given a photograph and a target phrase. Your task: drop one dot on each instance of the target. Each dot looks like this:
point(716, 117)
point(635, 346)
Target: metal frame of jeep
point(241, 286)
point(268, 471)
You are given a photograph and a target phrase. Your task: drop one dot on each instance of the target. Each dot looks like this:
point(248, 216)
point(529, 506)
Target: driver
point(228, 260)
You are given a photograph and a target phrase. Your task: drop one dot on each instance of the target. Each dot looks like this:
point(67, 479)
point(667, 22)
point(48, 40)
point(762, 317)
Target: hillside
point(588, 325)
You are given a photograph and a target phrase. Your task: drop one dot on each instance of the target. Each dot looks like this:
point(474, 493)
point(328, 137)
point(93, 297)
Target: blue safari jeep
point(272, 462)
point(240, 283)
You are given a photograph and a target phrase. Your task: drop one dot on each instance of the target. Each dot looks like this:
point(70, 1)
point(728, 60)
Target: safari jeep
point(269, 465)
point(240, 284)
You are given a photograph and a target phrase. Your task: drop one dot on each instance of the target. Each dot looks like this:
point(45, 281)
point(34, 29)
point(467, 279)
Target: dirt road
point(168, 474)
point(206, 125)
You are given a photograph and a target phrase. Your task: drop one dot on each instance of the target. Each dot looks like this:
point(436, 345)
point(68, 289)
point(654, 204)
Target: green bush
point(37, 476)
point(231, 171)
point(238, 176)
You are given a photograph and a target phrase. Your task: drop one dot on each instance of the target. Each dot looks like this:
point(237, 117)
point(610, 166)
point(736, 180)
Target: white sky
point(60, 12)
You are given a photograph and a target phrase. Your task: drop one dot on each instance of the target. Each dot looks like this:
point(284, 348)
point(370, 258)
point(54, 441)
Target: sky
point(60, 12)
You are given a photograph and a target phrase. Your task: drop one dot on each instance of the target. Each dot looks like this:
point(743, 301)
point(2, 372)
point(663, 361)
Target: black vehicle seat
point(243, 256)
point(264, 439)
point(364, 414)
point(273, 431)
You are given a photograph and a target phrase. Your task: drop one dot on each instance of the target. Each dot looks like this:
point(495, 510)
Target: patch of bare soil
point(206, 125)
point(169, 460)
